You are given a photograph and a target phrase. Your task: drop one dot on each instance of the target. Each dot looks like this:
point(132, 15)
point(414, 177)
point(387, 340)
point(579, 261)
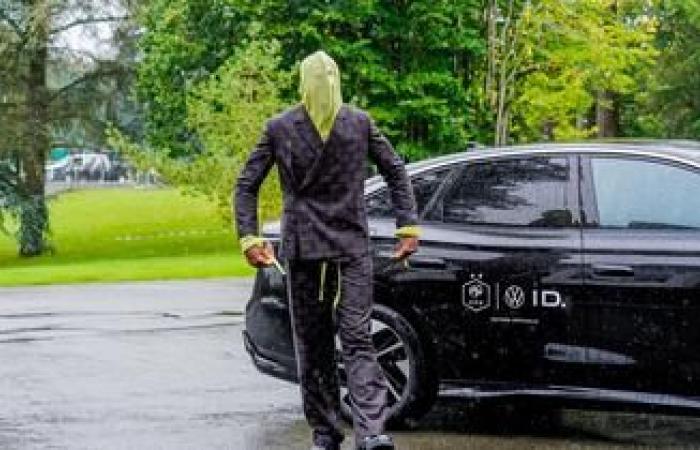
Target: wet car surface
point(162, 365)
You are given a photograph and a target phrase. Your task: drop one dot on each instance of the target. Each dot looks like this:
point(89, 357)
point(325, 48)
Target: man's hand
point(406, 247)
point(260, 255)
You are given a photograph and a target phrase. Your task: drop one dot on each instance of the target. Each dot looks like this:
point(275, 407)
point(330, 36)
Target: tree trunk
point(607, 115)
point(491, 55)
point(503, 93)
point(34, 215)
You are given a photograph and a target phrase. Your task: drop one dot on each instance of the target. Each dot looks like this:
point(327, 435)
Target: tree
point(416, 84)
point(226, 111)
point(554, 61)
point(508, 53)
point(434, 74)
point(674, 98)
point(410, 63)
point(30, 54)
point(184, 42)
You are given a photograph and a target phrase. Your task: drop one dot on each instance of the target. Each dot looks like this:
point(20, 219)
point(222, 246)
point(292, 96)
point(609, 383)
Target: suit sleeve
point(392, 169)
point(248, 184)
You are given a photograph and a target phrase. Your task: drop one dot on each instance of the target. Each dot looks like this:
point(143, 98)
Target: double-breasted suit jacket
point(322, 183)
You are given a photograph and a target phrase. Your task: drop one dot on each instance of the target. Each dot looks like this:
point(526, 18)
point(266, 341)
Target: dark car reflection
point(565, 273)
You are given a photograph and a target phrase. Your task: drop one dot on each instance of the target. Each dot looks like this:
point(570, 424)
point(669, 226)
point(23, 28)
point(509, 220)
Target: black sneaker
point(324, 443)
point(378, 442)
point(326, 447)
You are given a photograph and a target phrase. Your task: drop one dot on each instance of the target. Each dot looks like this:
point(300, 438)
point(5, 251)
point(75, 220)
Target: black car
point(558, 273)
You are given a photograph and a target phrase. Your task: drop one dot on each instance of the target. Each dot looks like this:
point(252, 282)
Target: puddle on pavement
point(30, 327)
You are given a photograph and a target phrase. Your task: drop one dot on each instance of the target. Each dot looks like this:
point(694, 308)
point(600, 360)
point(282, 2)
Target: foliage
point(184, 42)
point(438, 74)
point(555, 61)
point(416, 84)
point(10, 197)
point(674, 94)
point(227, 112)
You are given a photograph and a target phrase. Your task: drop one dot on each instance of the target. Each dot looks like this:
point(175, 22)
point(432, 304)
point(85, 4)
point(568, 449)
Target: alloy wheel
point(394, 357)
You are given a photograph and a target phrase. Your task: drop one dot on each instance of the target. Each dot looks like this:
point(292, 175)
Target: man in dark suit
point(321, 147)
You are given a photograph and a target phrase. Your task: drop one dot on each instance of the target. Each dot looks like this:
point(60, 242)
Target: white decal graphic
point(547, 298)
point(551, 299)
point(514, 297)
point(517, 320)
point(476, 295)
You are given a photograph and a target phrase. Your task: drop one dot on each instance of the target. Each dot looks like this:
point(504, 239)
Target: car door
point(640, 321)
point(498, 264)
point(426, 184)
point(404, 288)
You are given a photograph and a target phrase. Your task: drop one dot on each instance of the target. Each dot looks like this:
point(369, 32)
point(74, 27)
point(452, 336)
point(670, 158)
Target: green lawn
point(128, 234)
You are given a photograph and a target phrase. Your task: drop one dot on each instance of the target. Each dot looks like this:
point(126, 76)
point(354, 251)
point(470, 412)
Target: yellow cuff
point(408, 231)
point(250, 241)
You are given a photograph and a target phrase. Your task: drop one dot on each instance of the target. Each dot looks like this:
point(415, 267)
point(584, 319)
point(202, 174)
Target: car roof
point(677, 150)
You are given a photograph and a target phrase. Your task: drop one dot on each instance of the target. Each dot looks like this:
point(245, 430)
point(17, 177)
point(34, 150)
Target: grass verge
point(135, 269)
point(128, 234)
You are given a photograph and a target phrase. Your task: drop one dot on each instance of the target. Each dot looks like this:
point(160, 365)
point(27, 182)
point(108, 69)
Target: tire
point(406, 365)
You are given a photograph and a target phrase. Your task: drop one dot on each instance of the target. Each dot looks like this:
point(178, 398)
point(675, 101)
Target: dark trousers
point(321, 291)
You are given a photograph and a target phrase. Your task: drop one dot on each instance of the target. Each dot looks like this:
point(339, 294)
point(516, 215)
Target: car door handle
point(612, 271)
point(427, 262)
point(417, 261)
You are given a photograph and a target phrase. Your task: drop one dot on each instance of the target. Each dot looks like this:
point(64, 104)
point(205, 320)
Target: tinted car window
point(379, 204)
point(644, 194)
point(424, 186)
point(516, 192)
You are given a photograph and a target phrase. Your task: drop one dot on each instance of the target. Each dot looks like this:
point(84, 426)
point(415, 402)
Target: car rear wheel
point(404, 361)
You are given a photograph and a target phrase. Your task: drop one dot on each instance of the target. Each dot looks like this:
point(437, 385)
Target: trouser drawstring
point(322, 287)
point(337, 288)
point(322, 284)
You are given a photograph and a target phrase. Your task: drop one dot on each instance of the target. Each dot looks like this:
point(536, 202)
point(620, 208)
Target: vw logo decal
point(514, 297)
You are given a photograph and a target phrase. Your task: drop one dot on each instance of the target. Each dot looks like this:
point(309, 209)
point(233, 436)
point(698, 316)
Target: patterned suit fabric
point(322, 184)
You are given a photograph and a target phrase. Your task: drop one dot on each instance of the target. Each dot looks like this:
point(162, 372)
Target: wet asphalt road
point(161, 366)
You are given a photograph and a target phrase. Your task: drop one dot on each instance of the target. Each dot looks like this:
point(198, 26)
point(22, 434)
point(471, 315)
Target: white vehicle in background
point(87, 166)
point(60, 170)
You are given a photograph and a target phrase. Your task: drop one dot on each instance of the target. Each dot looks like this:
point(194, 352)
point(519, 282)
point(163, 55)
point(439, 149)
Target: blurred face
point(320, 80)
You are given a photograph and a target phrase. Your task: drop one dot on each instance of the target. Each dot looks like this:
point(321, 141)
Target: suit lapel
point(323, 149)
point(286, 152)
point(307, 130)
